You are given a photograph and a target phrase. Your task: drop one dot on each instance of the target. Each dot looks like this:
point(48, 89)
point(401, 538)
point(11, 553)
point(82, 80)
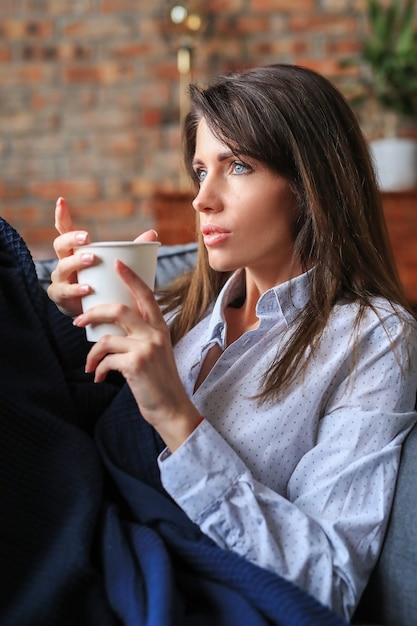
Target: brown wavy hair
point(298, 124)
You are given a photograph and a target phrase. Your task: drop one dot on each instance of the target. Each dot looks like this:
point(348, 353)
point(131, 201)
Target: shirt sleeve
point(326, 532)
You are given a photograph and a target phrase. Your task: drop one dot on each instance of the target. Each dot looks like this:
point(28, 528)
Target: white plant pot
point(395, 161)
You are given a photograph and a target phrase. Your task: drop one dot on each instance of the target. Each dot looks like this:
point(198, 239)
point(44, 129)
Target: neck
point(241, 315)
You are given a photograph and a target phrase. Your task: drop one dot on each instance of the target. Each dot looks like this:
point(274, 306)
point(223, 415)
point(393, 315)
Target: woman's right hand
point(64, 289)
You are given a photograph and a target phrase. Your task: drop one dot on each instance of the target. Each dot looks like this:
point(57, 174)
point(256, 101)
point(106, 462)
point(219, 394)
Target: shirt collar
point(285, 301)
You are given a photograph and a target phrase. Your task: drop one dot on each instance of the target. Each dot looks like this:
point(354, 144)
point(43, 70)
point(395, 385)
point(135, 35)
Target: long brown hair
point(298, 124)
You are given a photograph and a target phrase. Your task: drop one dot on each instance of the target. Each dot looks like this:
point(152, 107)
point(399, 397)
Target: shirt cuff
point(200, 471)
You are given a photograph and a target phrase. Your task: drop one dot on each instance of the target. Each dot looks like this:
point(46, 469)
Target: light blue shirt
point(301, 486)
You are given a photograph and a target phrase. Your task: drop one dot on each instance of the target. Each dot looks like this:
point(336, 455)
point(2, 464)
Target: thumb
point(148, 235)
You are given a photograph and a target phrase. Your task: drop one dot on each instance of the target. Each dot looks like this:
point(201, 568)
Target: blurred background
point(92, 93)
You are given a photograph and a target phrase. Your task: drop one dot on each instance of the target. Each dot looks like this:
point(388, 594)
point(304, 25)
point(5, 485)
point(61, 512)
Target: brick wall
point(89, 102)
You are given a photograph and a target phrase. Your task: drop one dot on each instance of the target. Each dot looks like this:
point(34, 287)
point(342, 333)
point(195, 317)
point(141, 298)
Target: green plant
point(388, 58)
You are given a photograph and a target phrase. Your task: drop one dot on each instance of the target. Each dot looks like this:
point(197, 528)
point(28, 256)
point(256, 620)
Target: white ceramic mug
point(107, 286)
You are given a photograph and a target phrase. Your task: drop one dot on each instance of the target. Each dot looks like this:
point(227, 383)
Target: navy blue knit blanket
point(88, 537)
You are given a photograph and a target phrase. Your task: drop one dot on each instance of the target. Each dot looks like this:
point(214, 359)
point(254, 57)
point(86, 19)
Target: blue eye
point(240, 168)
point(200, 175)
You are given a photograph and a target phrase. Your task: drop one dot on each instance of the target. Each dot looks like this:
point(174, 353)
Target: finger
point(70, 237)
point(144, 297)
point(148, 235)
point(67, 292)
point(63, 221)
point(117, 361)
point(120, 314)
point(68, 267)
point(65, 244)
point(104, 354)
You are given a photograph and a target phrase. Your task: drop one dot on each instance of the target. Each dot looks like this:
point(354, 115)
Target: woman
point(292, 337)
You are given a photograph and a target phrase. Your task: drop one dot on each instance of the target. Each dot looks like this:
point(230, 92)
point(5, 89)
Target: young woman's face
point(246, 212)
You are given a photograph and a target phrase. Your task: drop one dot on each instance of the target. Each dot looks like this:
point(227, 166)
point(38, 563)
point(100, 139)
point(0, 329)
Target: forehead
point(207, 143)
point(205, 136)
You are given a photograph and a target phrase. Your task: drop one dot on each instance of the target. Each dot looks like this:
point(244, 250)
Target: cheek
point(278, 224)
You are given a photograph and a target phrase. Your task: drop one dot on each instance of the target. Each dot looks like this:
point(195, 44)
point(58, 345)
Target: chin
point(219, 266)
point(219, 261)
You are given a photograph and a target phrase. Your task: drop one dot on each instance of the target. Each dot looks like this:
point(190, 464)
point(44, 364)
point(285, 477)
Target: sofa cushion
point(173, 261)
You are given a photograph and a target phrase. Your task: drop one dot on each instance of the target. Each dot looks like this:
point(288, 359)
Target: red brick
point(151, 117)
point(103, 209)
point(20, 75)
point(340, 6)
point(40, 240)
point(20, 214)
point(141, 187)
point(44, 235)
point(54, 8)
point(113, 6)
point(115, 144)
point(272, 6)
point(166, 71)
point(19, 122)
point(249, 25)
point(225, 6)
point(70, 189)
point(54, 52)
point(106, 73)
point(12, 191)
point(131, 50)
point(343, 47)
point(40, 100)
point(327, 67)
point(99, 28)
point(17, 29)
point(5, 55)
point(323, 24)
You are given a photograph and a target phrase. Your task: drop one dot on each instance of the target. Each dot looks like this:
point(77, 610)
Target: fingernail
point(83, 289)
point(81, 237)
point(156, 233)
point(87, 257)
point(76, 320)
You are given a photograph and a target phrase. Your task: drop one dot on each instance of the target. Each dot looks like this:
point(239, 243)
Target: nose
point(208, 198)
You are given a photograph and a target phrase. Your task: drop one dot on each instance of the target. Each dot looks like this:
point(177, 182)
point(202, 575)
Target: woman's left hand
point(145, 358)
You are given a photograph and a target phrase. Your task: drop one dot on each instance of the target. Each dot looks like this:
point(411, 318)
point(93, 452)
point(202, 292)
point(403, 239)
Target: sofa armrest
point(390, 598)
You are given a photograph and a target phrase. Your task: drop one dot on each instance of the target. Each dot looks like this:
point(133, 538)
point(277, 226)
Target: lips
point(213, 234)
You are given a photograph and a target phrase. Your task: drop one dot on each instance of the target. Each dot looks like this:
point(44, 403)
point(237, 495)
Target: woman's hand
point(145, 358)
point(65, 290)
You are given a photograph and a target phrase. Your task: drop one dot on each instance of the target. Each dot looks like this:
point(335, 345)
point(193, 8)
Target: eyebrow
point(222, 156)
